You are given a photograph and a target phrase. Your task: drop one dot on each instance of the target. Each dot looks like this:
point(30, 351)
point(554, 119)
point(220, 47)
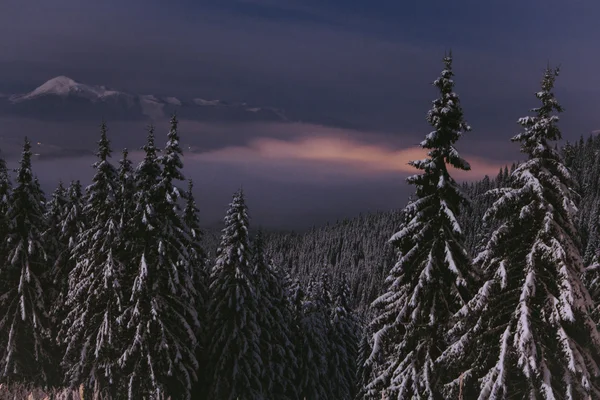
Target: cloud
point(324, 156)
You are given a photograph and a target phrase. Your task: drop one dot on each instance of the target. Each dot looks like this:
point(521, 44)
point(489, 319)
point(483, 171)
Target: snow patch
point(65, 86)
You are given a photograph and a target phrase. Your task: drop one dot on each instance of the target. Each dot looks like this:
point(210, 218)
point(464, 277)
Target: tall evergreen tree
point(198, 264)
point(71, 226)
point(91, 332)
point(274, 320)
point(363, 370)
point(432, 277)
point(24, 333)
point(55, 248)
point(312, 343)
point(528, 332)
point(126, 193)
point(234, 349)
point(55, 211)
point(5, 197)
point(343, 345)
point(160, 353)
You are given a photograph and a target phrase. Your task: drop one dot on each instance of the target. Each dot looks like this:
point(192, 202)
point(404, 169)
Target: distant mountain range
point(62, 98)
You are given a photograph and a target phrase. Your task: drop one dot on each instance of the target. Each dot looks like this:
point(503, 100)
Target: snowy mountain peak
point(59, 85)
point(65, 86)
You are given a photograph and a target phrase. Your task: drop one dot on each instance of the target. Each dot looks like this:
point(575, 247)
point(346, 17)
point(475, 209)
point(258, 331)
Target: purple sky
point(355, 75)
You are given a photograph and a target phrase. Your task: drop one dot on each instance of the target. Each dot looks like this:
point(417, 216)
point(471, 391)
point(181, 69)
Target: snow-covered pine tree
point(24, 334)
point(312, 343)
point(274, 321)
point(125, 193)
point(433, 275)
point(5, 198)
point(5, 195)
point(90, 331)
point(196, 255)
point(528, 332)
point(159, 358)
point(199, 269)
point(71, 225)
point(363, 370)
point(343, 345)
point(55, 212)
point(234, 334)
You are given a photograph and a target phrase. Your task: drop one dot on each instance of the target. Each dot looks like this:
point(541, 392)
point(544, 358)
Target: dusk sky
point(353, 78)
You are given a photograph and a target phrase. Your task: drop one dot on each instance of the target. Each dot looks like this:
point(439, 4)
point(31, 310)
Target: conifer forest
point(480, 290)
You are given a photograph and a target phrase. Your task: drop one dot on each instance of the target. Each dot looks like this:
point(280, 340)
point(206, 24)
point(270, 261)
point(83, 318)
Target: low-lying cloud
point(330, 153)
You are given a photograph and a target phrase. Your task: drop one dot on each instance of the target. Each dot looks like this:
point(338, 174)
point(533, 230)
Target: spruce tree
point(24, 331)
point(55, 248)
point(125, 194)
point(198, 264)
point(71, 225)
point(343, 345)
point(5, 196)
point(91, 332)
point(528, 332)
point(160, 351)
point(55, 212)
point(432, 277)
point(312, 343)
point(363, 370)
point(234, 334)
point(274, 321)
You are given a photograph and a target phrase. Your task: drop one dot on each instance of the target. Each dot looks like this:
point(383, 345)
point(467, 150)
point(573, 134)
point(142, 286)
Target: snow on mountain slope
point(64, 98)
point(65, 86)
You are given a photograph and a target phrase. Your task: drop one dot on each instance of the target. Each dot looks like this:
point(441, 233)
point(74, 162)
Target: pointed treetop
point(24, 170)
point(104, 151)
point(171, 160)
point(542, 127)
point(150, 147)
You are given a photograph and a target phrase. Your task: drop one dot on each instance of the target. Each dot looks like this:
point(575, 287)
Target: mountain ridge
point(62, 97)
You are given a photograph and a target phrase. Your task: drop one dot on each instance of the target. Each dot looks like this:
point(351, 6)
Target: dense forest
point(483, 290)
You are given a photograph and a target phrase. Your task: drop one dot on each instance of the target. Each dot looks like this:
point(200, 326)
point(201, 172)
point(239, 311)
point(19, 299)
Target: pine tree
point(198, 264)
point(55, 211)
point(234, 349)
point(312, 344)
point(275, 334)
point(432, 277)
point(71, 225)
point(5, 200)
point(197, 256)
point(5, 196)
point(91, 332)
point(55, 248)
point(528, 331)
point(126, 193)
point(161, 321)
point(24, 334)
point(363, 370)
point(343, 346)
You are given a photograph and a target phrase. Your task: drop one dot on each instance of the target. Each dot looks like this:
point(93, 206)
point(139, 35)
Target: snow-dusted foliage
point(95, 298)
point(71, 225)
point(198, 264)
point(433, 275)
point(274, 319)
point(234, 349)
point(363, 369)
point(311, 343)
point(160, 319)
point(24, 329)
point(343, 346)
point(528, 332)
point(125, 194)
